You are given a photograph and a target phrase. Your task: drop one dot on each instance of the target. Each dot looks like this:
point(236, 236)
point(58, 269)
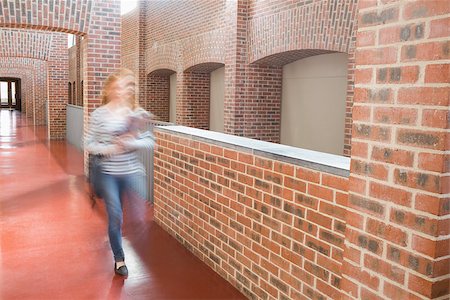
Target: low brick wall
point(272, 225)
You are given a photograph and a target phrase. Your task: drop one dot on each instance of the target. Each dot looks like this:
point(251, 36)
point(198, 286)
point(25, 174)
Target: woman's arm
point(144, 140)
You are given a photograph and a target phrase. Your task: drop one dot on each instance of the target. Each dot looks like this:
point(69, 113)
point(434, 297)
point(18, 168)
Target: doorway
point(10, 96)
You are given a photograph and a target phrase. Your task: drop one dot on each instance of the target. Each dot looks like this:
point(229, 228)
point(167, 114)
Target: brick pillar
point(252, 104)
point(101, 54)
point(398, 225)
point(350, 92)
point(26, 82)
point(142, 76)
point(79, 100)
point(30, 101)
point(41, 97)
point(58, 76)
point(235, 61)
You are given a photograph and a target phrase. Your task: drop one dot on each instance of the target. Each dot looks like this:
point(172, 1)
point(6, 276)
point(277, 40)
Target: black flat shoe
point(122, 270)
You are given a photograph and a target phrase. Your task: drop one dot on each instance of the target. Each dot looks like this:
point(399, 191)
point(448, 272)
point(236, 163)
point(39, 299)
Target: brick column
point(398, 225)
point(79, 100)
point(58, 76)
point(252, 104)
point(235, 60)
point(30, 100)
point(143, 7)
point(350, 93)
point(101, 54)
point(41, 97)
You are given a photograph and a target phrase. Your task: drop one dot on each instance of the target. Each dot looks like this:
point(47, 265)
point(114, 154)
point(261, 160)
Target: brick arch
point(69, 16)
point(287, 57)
point(25, 43)
point(194, 94)
point(7, 63)
point(162, 72)
point(285, 30)
point(158, 93)
point(203, 48)
point(98, 20)
point(162, 57)
point(206, 67)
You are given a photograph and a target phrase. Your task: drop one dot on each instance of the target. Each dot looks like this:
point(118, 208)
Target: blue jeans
point(113, 189)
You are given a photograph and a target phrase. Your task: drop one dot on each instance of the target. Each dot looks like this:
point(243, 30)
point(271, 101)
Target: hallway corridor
point(54, 245)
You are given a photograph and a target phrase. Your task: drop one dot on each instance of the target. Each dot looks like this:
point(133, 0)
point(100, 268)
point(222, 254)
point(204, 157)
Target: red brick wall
point(273, 229)
point(397, 223)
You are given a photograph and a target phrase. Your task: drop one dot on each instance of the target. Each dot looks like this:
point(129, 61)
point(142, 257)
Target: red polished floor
point(53, 245)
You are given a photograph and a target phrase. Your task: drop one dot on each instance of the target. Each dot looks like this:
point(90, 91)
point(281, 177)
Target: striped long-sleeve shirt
point(104, 128)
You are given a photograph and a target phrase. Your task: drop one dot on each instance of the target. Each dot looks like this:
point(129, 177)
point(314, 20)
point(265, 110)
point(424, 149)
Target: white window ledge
point(324, 162)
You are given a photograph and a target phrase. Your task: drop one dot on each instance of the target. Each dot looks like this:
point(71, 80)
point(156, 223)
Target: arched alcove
point(202, 96)
point(313, 103)
point(161, 94)
point(310, 116)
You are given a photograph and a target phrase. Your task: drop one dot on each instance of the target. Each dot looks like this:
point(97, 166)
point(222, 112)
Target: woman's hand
point(123, 141)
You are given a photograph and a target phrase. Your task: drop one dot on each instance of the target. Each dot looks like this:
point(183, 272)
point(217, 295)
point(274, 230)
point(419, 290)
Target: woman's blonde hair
point(131, 86)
